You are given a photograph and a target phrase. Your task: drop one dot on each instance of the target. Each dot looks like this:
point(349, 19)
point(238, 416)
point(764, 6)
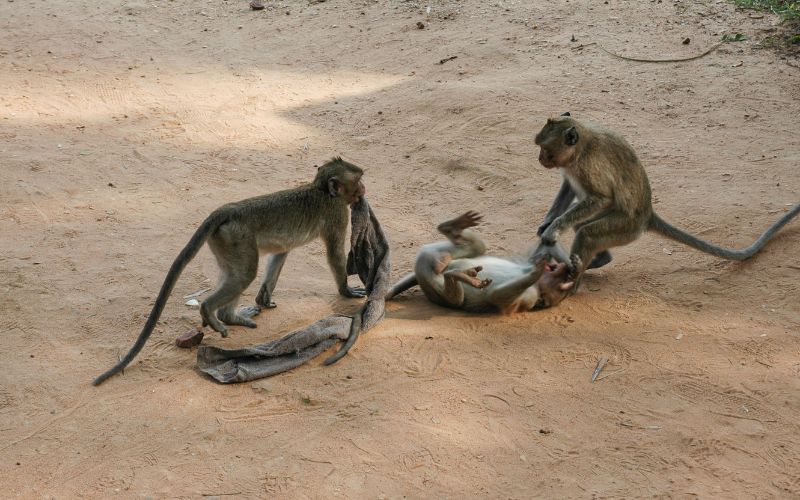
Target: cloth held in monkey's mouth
point(369, 258)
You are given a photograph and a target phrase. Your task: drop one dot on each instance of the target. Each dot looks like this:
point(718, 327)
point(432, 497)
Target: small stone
point(257, 5)
point(686, 41)
point(420, 25)
point(190, 339)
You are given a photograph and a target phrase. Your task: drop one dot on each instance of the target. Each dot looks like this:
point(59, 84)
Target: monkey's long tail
point(355, 331)
point(187, 254)
point(663, 227)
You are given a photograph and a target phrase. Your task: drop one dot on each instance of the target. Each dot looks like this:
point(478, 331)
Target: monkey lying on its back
point(456, 273)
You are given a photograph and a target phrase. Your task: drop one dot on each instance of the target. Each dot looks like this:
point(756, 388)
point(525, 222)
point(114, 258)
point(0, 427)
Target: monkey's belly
point(282, 244)
point(500, 271)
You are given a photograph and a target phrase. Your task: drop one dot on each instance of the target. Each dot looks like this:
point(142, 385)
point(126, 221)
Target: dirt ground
point(122, 124)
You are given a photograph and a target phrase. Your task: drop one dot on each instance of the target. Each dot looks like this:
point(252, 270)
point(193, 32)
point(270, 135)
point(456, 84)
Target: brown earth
point(122, 124)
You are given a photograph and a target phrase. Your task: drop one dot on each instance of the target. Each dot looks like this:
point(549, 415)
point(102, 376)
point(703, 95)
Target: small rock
point(257, 5)
point(193, 303)
point(420, 25)
point(686, 41)
point(190, 339)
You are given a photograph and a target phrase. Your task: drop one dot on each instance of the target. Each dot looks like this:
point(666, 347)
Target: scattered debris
point(193, 303)
point(736, 65)
point(420, 25)
point(647, 60)
point(196, 294)
point(257, 5)
point(667, 251)
point(686, 41)
point(678, 336)
point(190, 339)
point(600, 364)
point(573, 39)
point(738, 37)
point(545, 431)
point(442, 61)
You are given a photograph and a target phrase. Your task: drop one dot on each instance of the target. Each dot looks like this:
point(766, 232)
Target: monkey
point(275, 224)
point(456, 273)
point(614, 206)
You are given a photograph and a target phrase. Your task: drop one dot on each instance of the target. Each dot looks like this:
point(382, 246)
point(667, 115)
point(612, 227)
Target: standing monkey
point(275, 224)
point(614, 203)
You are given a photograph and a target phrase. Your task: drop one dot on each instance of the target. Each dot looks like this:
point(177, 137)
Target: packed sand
point(123, 124)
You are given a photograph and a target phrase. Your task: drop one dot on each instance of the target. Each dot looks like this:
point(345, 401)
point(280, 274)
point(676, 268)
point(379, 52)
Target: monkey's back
point(282, 220)
point(611, 167)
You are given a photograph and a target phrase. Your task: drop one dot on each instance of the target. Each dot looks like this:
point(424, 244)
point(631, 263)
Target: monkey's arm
point(408, 281)
point(588, 208)
point(337, 260)
point(274, 266)
point(560, 205)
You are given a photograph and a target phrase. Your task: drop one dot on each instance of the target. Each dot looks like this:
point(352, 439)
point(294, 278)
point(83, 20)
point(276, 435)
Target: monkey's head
point(554, 285)
point(558, 141)
point(341, 179)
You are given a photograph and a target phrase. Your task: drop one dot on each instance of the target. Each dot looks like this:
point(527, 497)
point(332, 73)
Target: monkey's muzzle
point(545, 159)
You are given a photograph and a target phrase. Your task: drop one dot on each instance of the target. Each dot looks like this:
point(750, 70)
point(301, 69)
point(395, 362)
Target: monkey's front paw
point(353, 292)
point(474, 271)
point(543, 227)
point(549, 236)
point(484, 283)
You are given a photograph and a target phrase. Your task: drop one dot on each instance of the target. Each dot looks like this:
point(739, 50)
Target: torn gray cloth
point(369, 258)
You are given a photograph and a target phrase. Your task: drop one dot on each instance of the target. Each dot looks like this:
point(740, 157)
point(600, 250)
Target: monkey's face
point(351, 190)
point(557, 142)
point(554, 285)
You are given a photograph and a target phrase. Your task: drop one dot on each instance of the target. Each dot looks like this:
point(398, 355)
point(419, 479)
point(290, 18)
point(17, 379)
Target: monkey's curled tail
point(187, 254)
point(663, 227)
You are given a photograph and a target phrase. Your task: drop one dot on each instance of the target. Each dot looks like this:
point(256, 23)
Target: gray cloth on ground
point(369, 258)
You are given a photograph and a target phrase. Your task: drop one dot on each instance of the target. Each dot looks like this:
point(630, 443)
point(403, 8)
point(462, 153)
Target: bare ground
point(122, 124)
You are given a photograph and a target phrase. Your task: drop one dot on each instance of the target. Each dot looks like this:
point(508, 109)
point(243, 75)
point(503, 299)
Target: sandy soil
point(122, 124)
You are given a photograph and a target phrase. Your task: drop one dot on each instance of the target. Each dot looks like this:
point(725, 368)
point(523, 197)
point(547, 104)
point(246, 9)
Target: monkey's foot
point(233, 319)
point(452, 228)
point(601, 260)
point(355, 292)
point(575, 272)
point(249, 311)
point(210, 320)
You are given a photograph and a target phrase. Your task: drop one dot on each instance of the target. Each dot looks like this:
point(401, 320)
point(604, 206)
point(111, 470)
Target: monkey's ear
point(566, 286)
point(333, 187)
point(565, 113)
point(571, 136)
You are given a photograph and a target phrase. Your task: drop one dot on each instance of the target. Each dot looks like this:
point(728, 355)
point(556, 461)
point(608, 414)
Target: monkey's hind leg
point(612, 230)
point(238, 262)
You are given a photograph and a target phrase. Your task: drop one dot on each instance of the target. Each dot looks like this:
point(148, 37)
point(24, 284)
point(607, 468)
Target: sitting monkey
point(456, 273)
